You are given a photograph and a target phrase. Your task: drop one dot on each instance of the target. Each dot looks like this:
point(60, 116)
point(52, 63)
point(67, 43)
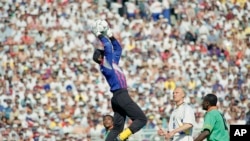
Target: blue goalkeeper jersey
point(109, 67)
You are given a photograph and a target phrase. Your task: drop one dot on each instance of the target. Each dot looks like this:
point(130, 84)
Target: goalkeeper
point(121, 102)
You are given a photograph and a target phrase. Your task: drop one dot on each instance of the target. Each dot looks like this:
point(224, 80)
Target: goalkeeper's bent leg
point(136, 125)
point(135, 113)
point(119, 120)
point(127, 106)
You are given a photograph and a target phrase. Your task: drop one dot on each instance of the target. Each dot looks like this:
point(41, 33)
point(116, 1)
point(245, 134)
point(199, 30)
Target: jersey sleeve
point(108, 49)
point(117, 50)
point(209, 122)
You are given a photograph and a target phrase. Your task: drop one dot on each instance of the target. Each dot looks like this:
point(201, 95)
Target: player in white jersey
point(181, 120)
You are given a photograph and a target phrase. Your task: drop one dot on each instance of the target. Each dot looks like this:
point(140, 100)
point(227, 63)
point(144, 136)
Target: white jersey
point(182, 114)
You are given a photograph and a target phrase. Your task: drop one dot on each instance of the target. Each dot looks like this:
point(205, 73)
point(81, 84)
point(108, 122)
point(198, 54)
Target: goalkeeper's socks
point(124, 134)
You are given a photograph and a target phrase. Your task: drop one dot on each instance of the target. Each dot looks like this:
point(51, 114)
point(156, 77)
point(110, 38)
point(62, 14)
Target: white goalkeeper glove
point(96, 31)
point(109, 33)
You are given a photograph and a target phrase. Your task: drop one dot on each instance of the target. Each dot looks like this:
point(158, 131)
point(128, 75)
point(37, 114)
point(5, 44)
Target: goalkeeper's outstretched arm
point(108, 49)
point(117, 49)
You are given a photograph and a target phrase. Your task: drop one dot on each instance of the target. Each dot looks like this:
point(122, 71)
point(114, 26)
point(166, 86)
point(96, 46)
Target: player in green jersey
point(214, 126)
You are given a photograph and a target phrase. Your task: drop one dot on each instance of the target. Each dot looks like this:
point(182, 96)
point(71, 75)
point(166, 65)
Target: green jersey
point(216, 124)
point(106, 134)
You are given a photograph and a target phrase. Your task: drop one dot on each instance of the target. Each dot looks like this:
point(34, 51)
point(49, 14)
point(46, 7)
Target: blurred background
point(52, 90)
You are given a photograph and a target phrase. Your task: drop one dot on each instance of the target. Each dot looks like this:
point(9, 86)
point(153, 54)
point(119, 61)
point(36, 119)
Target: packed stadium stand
point(51, 89)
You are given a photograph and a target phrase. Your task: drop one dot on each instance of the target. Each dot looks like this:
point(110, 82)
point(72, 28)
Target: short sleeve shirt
point(182, 114)
point(215, 123)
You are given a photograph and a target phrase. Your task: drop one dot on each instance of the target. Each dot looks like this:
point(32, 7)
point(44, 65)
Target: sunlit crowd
point(51, 89)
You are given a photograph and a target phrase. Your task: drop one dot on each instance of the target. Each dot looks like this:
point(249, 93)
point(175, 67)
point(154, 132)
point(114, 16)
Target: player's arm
point(182, 128)
point(202, 135)
point(187, 123)
point(108, 49)
point(208, 125)
point(117, 49)
point(116, 46)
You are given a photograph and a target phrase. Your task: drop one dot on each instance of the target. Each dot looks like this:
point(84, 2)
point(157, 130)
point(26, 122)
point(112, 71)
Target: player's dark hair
point(97, 54)
point(108, 116)
point(212, 99)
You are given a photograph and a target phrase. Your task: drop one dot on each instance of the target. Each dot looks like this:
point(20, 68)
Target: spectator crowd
point(51, 88)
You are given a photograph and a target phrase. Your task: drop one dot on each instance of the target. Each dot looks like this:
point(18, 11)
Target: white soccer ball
point(101, 25)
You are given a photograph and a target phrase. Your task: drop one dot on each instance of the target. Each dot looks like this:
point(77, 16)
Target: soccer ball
point(101, 26)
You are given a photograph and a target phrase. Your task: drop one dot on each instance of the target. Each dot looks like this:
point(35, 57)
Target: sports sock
point(125, 134)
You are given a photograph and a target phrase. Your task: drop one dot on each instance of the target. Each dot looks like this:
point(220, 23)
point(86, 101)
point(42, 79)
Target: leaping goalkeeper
point(121, 102)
